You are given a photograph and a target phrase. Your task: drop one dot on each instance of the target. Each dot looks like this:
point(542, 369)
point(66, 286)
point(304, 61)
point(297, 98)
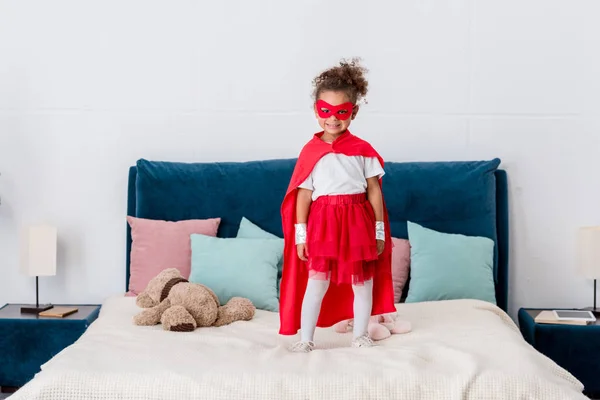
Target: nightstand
point(27, 340)
point(576, 348)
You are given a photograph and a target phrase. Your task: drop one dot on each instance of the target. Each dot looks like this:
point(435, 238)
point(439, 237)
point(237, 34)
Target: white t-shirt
point(337, 174)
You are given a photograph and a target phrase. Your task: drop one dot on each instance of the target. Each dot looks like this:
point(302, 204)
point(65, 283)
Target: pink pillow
point(157, 245)
point(400, 266)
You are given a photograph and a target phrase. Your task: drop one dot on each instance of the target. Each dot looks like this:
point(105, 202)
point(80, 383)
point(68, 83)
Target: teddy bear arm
point(236, 309)
point(144, 300)
point(151, 316)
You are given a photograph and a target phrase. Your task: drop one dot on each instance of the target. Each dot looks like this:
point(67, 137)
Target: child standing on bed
point(337, 260)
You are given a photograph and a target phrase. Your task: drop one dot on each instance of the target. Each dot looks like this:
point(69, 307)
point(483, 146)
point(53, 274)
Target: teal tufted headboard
point(467, 197)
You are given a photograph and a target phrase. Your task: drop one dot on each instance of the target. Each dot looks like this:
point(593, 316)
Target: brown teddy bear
point(182, 306)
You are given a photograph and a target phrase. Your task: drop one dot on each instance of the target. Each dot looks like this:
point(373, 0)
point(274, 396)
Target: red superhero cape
point(338, 302)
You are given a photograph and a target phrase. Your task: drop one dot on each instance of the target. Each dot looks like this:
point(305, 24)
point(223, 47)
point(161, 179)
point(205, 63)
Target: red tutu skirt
point(341, 239)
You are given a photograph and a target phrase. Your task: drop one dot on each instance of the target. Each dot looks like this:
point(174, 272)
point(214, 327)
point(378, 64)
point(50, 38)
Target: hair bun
point(348, 77)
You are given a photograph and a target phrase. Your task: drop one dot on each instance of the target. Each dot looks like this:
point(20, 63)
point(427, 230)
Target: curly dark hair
point(347, 77)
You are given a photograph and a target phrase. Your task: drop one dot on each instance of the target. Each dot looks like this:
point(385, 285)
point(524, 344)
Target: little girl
point(337, 261)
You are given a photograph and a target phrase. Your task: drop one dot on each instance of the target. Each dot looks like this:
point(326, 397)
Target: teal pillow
point(234, 267)
point(250, 230)
point(449, 266)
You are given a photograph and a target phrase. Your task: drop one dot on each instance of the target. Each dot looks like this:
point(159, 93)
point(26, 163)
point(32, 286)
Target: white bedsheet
point(458, 350)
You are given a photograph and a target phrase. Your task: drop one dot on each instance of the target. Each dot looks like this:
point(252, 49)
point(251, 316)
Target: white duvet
point(457, 350)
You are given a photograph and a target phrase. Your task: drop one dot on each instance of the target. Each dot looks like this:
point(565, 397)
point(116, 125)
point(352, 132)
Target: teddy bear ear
point(171, 271)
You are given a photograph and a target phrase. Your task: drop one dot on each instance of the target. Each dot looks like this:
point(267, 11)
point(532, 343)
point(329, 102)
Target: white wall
point(86, 88)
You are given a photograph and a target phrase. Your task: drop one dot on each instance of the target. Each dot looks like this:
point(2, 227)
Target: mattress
point(459, 349)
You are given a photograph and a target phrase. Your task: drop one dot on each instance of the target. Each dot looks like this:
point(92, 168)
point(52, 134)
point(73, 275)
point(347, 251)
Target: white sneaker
point(303, 347)
point(363, 341)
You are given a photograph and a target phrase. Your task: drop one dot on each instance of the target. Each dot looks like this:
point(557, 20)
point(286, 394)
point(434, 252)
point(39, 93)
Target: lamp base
point(594, 310)
point(35, 310)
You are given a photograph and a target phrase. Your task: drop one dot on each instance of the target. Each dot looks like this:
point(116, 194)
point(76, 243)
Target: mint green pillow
point(250, 230)
point(234, 267)
point(449, 266)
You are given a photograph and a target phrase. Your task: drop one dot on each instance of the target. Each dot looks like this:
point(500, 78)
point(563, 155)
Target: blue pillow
point(234, 267)
point(449, 266)
point(249, 230)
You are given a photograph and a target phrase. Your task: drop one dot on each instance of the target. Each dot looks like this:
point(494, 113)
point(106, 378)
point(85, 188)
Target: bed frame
point(452, 356)
point(412, 191)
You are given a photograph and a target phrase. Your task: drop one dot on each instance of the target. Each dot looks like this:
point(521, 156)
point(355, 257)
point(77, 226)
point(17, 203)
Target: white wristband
point(300, 233)
point(380, 230)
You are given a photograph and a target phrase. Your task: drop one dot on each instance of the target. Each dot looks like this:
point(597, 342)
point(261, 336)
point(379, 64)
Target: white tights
point(311, 307)
point(363, 304)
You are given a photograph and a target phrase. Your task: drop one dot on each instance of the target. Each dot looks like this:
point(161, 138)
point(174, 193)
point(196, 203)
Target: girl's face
point(335, 112)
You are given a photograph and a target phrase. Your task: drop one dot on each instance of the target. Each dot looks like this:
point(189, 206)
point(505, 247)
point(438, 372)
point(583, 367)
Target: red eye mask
point(341, 112)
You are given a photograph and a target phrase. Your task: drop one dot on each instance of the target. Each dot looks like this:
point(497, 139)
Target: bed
point(459, 348)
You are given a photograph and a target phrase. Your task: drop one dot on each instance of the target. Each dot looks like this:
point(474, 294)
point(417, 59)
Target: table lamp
point(39, 259)
point(588, 252)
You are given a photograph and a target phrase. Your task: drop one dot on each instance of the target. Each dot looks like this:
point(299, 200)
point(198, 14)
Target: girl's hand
point(302, 252)
point(380, 247)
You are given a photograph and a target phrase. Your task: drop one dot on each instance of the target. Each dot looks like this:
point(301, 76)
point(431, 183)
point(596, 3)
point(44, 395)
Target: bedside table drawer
point(26, 345)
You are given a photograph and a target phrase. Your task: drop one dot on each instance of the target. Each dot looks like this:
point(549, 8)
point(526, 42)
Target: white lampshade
point(39, 251)
point(588, 251)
